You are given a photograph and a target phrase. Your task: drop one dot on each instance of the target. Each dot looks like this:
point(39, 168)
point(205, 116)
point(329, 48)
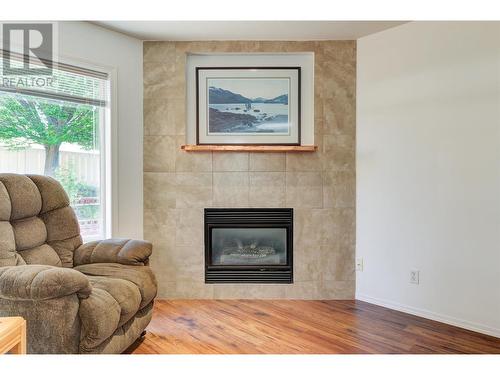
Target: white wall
point(99, 46)
point(428, 171)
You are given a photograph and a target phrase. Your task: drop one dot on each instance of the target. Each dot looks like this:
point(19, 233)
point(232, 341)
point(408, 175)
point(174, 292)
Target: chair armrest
point(123, 251)
point(38, 282)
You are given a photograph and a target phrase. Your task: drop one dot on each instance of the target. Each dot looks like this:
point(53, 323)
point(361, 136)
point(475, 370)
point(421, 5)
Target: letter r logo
point(32, 40)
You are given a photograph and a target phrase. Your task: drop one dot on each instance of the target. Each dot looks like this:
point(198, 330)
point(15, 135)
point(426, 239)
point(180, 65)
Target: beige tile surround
point(319, 186)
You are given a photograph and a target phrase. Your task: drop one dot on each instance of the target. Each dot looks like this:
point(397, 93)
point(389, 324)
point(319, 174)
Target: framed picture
point(248, 105)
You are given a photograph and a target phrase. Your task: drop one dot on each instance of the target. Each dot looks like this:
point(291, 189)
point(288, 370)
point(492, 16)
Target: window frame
point(108, 145)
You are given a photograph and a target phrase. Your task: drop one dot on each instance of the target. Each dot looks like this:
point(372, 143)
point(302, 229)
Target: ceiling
point(248, 30)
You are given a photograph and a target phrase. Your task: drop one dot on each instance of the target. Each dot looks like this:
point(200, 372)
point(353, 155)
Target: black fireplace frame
point(248, 218)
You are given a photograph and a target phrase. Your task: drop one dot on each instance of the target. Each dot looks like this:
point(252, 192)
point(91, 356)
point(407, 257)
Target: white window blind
point(67, 82)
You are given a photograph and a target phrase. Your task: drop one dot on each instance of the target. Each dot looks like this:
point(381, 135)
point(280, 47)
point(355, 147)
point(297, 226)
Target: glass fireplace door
point(248, 246)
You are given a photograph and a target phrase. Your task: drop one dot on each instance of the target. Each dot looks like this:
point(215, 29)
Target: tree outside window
point(24, 121)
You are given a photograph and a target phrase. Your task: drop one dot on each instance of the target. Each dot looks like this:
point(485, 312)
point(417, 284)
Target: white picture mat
point(242, 138)
point(304, 60)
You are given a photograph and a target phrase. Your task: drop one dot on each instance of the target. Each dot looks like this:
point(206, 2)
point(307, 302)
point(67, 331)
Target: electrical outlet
point(359, 264)
point(414, 276)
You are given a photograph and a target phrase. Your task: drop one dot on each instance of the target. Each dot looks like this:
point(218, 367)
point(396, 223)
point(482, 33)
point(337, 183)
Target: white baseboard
point(472, 326)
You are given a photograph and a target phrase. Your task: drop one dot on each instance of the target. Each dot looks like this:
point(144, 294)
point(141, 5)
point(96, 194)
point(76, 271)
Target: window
point(57, 129)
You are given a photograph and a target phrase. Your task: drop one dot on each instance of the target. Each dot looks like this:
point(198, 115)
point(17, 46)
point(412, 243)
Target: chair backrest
point(37, 225)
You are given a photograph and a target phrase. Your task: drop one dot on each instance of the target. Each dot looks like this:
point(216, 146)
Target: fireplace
point(249, 245)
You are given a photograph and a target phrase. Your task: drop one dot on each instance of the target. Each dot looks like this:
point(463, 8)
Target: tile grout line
point(248, 179)
point(286, 181)
point(212, 177)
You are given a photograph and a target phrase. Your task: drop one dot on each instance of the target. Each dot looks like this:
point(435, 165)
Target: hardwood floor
point(294, 326)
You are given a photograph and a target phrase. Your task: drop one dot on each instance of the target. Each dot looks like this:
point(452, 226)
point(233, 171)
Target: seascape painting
point(248, 105)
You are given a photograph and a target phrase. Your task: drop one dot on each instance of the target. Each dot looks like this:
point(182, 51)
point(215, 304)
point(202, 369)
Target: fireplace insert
point(249, 245)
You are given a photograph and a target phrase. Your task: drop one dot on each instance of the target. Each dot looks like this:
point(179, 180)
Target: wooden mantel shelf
point(248, 148)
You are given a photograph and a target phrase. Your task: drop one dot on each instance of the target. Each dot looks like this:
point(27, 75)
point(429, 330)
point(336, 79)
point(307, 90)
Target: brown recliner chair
point(77, 298)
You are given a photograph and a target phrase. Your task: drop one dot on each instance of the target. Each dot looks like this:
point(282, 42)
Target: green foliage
point(77, 190)
point(67, 178)
point(85, 190)
point(88, 212)
point(24, 121)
